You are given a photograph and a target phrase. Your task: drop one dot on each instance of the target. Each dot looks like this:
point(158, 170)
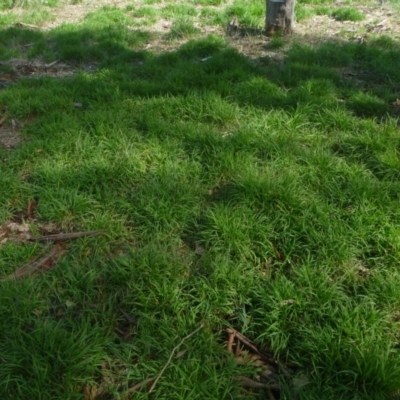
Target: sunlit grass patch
point(347, 14)
point(181, 28)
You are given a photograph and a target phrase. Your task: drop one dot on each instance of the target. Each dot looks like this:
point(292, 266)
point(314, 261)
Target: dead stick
point(171, 355)
point(230, 342)
point(139, 385)
point(36, 266)
point(244, 340)
point(237, 348)
point(51, 64)
point(247, 382)
point(22, 25)
point(64, 236)
point(249, 344)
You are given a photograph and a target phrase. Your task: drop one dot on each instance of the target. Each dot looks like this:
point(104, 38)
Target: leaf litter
point(38, 264)
point(270, 371)
point(20, 229)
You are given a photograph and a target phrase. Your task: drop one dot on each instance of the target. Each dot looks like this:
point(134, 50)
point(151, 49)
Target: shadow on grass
point(261, 163)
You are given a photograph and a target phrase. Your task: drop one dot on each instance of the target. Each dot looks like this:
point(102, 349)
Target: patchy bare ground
point(9, 136)
point(16, 68)
point(380, 19)
point(9, 131)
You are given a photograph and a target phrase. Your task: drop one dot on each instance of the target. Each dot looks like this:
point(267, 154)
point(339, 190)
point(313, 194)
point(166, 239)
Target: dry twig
point(231, 338)
point(59, 237)
point(42, 264)
point(249, 383)
point(243, 339)
point(172, 354)
point(249, 344)
point(22, 25)
point(51, 64)
point(139, 385)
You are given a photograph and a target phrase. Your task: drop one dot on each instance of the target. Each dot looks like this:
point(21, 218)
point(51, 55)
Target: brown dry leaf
point(255, 359)
point(18, 228)
point(37, 265)
point(49, 228)
point(181, 353)
point(89, 392)
point(248, 358)
point(31, 209)
point(15, 230)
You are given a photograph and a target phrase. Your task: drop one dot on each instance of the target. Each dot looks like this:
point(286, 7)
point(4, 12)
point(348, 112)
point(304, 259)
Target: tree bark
point(280, 17)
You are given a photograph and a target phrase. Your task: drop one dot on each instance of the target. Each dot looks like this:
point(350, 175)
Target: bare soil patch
point(9, 136)
point(380, 19)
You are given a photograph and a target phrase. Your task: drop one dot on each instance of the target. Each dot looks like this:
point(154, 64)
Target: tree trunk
point(280, 17)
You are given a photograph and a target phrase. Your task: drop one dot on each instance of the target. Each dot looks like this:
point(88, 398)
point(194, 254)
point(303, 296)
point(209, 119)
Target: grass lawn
point(236, 184)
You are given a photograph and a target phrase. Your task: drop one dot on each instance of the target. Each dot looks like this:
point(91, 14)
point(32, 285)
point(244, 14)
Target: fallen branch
point(231, 338)
point(59, 237)
point(171, 355)
point(51, 64)
point(22, 25)
point(245, 341)
point(42, 264)
point(249, 383)
point(249, 344)
point(135, 388)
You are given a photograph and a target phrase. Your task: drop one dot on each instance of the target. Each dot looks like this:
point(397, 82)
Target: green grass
point(209, 2)
point(323, 10)
point(179, 11)
point(315, 2)
point(347, 14)
point(182, 28)
point(287, 174)
point(7, 19)
point(303, 12)
point(250, 14)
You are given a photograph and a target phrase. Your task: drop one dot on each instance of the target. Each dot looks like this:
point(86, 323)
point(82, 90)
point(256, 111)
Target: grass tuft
point(182, 28)
point(347, 14)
